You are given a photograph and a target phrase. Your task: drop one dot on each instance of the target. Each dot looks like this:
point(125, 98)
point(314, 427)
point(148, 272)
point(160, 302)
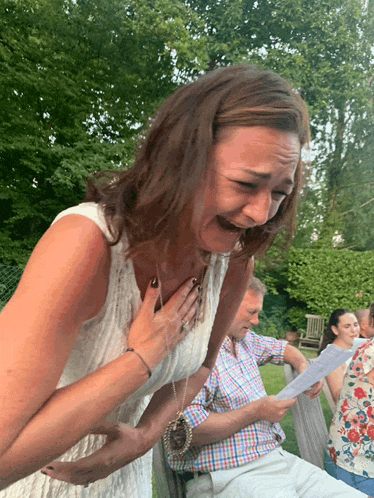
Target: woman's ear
point(334, 330)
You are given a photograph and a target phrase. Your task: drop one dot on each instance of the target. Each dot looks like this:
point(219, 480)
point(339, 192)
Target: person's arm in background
point(211, 426)
point(370, 376)
point(214, 427)
point(292, 356)
point(335, 382)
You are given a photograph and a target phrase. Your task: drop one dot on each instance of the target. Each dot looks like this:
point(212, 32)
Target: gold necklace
point(178, 434)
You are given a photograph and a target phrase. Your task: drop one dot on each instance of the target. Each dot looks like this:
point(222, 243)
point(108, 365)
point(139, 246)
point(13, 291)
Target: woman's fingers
point(185, 292)
point(87, 469)
point(65, 471)
point(188, 313)
point(190, 300)
point(182, 306)
point(153, 334)
point(123, 445)
point(151, 296)
point(182, 298)
point(183, 309)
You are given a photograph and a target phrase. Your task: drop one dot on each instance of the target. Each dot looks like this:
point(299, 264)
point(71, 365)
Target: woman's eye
point(278, 194)
point(251, 186)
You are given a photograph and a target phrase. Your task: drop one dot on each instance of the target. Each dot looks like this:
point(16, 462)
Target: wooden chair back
point(312, 337)
point(315, 326)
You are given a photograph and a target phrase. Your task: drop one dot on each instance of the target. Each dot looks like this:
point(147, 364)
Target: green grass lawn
point(273, 378)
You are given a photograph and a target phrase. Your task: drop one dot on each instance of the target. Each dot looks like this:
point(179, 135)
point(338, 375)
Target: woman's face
point(250, 173)
point(347, 329)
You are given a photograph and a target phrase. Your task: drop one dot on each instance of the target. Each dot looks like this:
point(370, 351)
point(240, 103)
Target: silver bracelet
point(147, 367)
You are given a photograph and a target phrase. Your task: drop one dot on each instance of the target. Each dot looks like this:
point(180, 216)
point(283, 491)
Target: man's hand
point(273, 410)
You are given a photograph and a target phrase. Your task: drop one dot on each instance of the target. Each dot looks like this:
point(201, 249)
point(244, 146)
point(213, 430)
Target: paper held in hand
point(329, 360)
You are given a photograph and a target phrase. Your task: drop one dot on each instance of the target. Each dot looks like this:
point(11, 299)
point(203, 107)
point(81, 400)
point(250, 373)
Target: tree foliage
point(78, 79)
point(320, 281)
point(329, 57)
point(325, 48)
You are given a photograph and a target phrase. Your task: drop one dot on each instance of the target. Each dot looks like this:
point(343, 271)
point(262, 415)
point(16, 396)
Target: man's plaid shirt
point(234, 382)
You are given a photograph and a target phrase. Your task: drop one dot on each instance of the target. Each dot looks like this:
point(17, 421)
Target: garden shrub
point(320, 281)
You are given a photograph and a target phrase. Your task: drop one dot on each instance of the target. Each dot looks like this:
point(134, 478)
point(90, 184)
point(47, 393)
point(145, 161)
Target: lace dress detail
point(102, 339)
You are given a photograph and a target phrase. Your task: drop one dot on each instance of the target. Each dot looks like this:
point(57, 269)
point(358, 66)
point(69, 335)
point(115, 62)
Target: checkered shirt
point(233, 383)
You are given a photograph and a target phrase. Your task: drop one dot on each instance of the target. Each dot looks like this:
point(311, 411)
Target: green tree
point(320, 281)
point(329, 57)
point(78, 79)
point(326, 50)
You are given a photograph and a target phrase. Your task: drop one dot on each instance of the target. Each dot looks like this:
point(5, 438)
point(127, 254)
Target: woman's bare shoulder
point(64, 283)
point(71, 256)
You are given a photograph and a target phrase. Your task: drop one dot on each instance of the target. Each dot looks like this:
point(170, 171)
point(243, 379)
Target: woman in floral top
point(350, 455)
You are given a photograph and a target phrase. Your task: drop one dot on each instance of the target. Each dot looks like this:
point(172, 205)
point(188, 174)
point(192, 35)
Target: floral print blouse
point(351, 438)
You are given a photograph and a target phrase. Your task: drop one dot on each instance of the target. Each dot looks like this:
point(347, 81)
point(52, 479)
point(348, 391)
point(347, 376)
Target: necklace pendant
point(178, 435)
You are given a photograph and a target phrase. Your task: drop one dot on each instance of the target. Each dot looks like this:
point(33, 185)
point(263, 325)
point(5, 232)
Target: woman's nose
point(258, 207)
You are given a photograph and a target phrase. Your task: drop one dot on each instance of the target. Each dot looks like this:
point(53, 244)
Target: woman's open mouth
point(227, 225)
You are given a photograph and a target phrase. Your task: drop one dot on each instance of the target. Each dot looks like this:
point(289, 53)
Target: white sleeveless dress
point(102, 339)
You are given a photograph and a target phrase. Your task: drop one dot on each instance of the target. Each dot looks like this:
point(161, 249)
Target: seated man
point(236, 443)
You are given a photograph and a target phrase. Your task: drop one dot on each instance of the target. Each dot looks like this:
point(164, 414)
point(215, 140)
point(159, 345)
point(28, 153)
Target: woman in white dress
point(134, 289)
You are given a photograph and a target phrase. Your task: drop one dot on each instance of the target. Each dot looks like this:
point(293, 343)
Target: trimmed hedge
point(322, 280)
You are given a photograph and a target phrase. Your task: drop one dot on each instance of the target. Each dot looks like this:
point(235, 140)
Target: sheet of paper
point(329, 360)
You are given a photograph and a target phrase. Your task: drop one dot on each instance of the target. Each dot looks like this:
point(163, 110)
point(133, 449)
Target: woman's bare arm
point(64, 284)
point(335, 382)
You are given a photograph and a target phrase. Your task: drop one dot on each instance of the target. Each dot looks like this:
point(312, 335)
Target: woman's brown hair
point(148, 200)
